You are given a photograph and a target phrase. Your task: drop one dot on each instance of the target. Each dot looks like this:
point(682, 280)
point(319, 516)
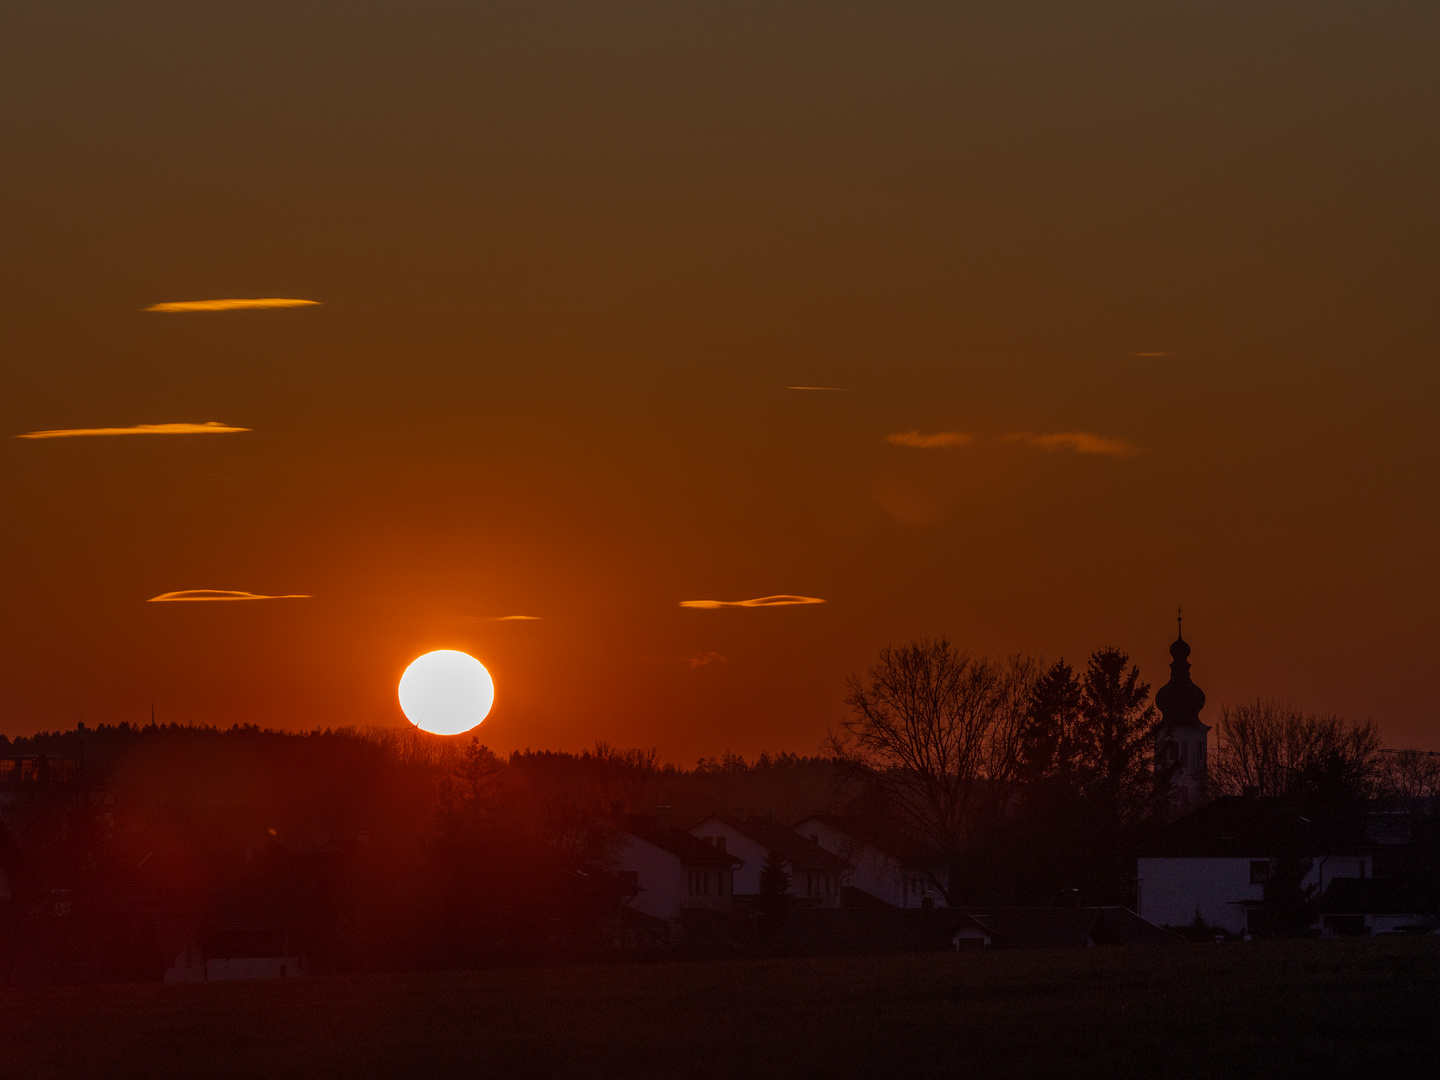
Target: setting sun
point(446, 692)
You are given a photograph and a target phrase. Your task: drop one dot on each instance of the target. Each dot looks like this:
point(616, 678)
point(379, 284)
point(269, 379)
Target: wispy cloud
point(212, 427)
point(1152, 355)
point(1081, 442)
point(191, 595)
point(694, 660)
point(763, 601)
point(836, 389)
point(941, 440)
point(230, 305)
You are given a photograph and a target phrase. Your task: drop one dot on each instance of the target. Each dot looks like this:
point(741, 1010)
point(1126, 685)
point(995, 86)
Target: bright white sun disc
point(446, 692)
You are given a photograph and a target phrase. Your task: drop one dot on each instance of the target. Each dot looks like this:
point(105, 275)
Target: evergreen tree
point(775, 897)
point(1047, 736)
point(1290, 905)
point(1115, 739)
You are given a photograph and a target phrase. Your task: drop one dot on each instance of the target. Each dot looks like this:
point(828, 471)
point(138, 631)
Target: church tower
point(1181, 736)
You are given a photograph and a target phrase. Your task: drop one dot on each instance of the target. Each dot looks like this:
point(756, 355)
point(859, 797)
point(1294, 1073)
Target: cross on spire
point(1179, 622)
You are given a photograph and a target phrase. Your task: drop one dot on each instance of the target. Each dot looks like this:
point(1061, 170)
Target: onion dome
point(1180, 700)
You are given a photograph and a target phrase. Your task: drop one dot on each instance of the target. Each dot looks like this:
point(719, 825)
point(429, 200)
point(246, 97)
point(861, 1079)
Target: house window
point(1259, 871)
point(718, 842)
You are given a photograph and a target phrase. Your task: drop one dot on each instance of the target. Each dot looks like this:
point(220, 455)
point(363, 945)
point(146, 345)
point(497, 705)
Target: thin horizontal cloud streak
point(1080, 442)
point(1152, 355)
point(230, 305)
point(211, 427)
point(202, 595)
point(762, 601)
point(941, 440)
point(694, 660)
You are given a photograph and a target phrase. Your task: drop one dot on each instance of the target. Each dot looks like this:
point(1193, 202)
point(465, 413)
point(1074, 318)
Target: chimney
point(662, 818)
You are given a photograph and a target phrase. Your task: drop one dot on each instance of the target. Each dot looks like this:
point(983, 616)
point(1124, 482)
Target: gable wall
point(747, 877)
point(876, 872)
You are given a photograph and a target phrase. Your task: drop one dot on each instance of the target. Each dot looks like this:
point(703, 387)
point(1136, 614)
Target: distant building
point(668, 871)
point(1213, 864)
point(816, 875)
point(1181, 737)
point(887, 868)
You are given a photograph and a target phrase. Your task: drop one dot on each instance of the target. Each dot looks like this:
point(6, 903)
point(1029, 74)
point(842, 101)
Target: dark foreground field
point(1304, 1009)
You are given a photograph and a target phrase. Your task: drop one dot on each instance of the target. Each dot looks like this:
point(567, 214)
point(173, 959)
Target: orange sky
point(569, 257)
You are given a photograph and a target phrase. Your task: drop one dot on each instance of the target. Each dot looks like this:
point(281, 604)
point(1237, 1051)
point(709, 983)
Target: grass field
point(1308, 1009)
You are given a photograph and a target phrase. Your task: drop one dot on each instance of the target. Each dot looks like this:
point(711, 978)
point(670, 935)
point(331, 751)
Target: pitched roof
point(687, 848)
point(878, 834)
point(1239, 827)
point(799, 851)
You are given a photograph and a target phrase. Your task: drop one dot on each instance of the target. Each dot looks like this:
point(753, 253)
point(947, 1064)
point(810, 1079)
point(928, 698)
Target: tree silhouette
point(1114, 739)
point(934, 736)
point(774, 882)
point(1290, 905)
point(1274, 748)
point(1052, 720)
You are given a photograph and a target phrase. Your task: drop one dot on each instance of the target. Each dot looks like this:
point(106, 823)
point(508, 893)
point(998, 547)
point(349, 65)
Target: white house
point(1213, 863)
point(885, 866)
point(816, 875)
point(670, 871)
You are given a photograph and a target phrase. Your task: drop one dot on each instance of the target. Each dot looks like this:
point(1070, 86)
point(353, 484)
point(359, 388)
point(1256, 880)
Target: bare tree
point(1412, 776)
point(1271, 747)
point(935, 737)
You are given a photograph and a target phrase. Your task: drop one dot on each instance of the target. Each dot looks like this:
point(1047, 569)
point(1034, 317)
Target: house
point(887, 868)
point(816, 875)
point(1212, 864)
point(261, 928)
point(668, 871)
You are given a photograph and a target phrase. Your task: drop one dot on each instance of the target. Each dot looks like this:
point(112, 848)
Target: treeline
point(1035, 783)
point(426, 852)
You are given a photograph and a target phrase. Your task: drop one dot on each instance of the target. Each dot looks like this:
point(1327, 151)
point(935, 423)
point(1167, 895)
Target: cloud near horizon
point(210, 427)
point(194, 595)
point(763, 601)
point(941, 440)
point(1081, 442)
point(231, 305)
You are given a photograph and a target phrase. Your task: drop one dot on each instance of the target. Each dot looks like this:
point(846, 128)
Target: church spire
point(1180, 700)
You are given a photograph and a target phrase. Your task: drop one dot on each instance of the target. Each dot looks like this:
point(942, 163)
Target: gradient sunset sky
point(1101, 309)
